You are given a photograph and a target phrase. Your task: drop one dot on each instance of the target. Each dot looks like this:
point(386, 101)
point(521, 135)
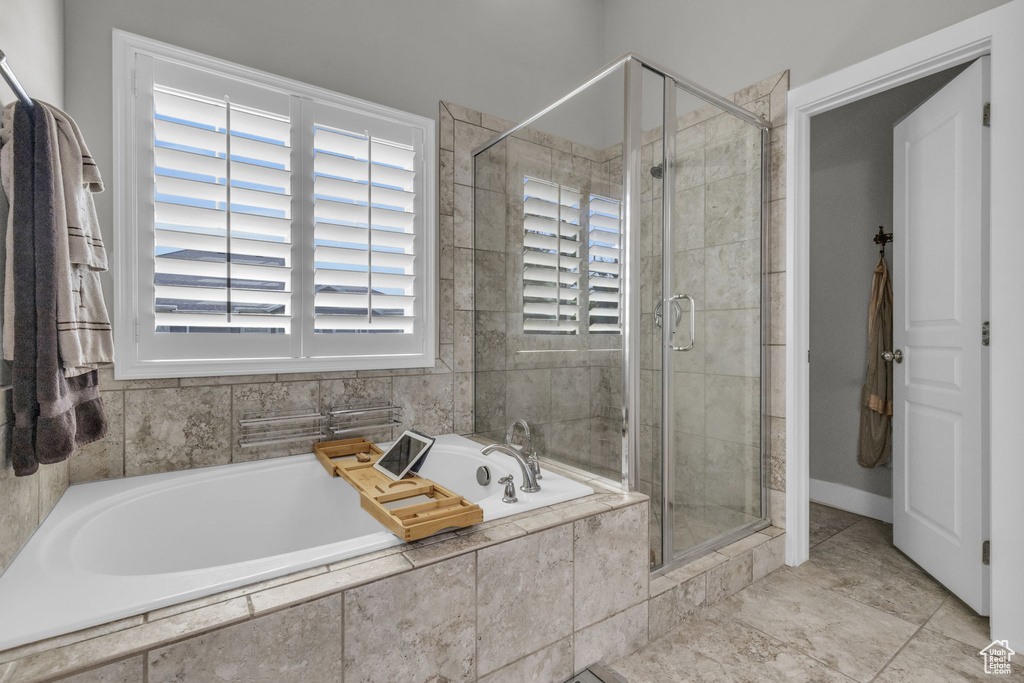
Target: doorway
point(857, 211)
point(1000, 33)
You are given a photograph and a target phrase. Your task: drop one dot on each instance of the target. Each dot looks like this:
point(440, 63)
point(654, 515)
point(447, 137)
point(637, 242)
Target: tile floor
point(857, 610)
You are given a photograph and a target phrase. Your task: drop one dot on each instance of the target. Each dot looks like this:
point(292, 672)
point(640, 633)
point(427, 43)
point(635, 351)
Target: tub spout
point(530, 484)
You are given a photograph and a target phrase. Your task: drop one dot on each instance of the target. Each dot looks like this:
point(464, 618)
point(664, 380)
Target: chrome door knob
point(890, 356)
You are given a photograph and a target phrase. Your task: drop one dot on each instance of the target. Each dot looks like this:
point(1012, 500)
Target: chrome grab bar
point(693, 306)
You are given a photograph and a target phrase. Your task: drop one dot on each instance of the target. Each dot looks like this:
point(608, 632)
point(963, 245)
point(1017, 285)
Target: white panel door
point(940, 214)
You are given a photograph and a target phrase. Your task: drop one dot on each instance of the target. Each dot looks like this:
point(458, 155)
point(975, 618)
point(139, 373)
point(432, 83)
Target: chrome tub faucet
point(530, 484)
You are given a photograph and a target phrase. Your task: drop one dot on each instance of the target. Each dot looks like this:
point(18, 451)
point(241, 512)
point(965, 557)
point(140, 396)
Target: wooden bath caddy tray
point(353, 459)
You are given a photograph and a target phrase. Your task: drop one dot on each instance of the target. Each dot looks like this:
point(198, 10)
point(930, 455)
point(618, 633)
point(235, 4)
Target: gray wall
point(508, 58)
point(727, 44)
point(32, 36)
point(851, 195)
point(492, 56)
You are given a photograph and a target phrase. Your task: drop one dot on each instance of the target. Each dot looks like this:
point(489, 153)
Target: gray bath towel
point(53, 415)
point(84, 334)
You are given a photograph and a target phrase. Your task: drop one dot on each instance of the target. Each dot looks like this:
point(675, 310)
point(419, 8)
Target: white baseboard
point(852, 500)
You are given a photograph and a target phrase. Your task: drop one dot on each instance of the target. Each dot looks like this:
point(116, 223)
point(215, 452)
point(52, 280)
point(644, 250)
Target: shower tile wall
point(567, 387)
point(776, 269)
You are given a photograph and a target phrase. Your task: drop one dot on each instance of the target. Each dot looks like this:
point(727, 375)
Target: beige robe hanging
point(876, 395)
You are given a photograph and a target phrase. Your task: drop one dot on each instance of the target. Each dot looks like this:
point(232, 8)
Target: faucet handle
point(534, 463)
point(510, 489)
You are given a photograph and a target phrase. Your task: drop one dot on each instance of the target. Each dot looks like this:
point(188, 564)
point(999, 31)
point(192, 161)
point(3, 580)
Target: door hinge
point(986, 553)
point(808, 355)
point(986, 115)
point(985, 334)
point(136, 329)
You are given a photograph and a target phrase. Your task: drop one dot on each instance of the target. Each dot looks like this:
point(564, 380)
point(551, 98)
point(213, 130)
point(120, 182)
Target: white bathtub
point(117, 548)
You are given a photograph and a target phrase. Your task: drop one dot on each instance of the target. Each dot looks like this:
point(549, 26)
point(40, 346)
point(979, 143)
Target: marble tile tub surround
point(514, 599)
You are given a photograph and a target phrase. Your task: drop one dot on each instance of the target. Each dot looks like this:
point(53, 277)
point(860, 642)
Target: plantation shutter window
point(266, 225)
point(605, 254)
point(221, 269)
point(218, 280)
point(551, 257)
point(368, 285)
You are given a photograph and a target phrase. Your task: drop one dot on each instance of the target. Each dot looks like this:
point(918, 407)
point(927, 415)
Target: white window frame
point(131, 294)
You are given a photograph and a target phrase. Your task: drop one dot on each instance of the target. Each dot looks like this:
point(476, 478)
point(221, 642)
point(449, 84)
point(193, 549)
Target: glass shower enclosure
point(620, 301)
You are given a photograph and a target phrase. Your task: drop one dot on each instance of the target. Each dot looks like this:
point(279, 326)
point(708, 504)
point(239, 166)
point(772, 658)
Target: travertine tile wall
point(24, 501)
point(567, 387)
point(776, 269)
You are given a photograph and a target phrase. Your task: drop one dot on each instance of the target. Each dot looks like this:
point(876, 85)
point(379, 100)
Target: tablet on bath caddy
point(405, 455)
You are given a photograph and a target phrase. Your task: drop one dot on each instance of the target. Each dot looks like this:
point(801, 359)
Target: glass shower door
point(711, 332)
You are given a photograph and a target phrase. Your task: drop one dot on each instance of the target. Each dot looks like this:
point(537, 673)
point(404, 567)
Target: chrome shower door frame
point(672, 82)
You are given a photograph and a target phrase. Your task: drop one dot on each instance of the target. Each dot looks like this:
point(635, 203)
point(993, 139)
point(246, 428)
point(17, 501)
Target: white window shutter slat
point(209, 266)
point(365, 234)
point(605, 254)
point(552, 257)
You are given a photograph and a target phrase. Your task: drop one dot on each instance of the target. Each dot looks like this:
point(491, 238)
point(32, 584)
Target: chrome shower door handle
point(677, 313)
point(692, 322)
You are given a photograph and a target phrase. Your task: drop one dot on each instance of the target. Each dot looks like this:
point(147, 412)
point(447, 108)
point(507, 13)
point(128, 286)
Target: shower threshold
point(597, 673)
point(711, 545)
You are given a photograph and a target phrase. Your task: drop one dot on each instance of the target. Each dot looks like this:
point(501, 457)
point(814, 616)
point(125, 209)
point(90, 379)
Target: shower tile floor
point(857, 610)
